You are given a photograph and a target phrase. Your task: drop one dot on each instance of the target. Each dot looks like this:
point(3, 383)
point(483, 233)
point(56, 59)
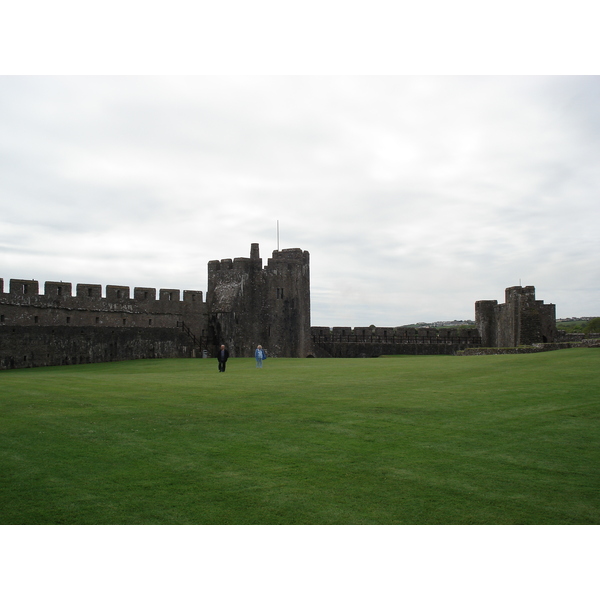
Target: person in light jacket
point(260, 355)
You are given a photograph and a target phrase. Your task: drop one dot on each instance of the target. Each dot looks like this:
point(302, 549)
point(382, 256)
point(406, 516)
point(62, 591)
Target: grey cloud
point(412, 194)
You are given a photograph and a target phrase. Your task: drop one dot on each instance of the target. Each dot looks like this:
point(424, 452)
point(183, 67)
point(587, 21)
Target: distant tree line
point(591, 326)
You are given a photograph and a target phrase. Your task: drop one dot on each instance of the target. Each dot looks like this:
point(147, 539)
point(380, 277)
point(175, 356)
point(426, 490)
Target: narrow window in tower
point(36, 319)
point(68, 319)
point(97, 320)
point(24, 288)
point(124, 321)
point(118, 293)
point(90, 292)
point(145, 295)
point(59, 291)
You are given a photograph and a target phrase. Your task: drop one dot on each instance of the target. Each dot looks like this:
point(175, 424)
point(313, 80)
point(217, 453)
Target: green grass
point(511, 439)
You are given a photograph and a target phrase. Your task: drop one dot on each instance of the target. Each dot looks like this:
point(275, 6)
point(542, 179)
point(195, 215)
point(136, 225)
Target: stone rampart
point(376, 341)
point(23, 346)
point(23, 305)
point(534, 348)
point(246, 305)
point(57, 327)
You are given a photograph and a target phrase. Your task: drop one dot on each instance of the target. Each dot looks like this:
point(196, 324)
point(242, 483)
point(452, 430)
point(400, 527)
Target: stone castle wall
point(24, 346)
point(57, 327)
point(24, 305)
point(376, 341)
point(246, 305)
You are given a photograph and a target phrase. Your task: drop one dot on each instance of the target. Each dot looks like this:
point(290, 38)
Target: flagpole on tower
point(277, 235)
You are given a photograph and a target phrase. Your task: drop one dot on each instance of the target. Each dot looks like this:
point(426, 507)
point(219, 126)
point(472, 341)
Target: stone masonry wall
point(57, 327)
point(376, 341)
point(24, 305)
point(24, 346)
point(246, 305)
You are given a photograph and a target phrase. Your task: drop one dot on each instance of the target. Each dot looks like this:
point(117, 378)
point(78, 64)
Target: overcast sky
point(415, 196)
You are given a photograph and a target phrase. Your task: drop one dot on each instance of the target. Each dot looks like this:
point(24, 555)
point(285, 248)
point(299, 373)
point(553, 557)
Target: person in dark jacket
point(222, 356)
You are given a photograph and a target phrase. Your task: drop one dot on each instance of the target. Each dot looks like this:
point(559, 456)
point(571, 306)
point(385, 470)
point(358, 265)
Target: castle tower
point(521, 320)
point(487, 322)
point(287, 307)
point(249, 305)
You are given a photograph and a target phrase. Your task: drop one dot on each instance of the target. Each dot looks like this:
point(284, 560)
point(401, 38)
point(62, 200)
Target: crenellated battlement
point(90, 291)
point(517, 291)
point(394, 335)
point(20, 289)
point(23, 287)
point(58, 289)
point(373, 341)
point(291, 257)
point(144, 294)
point(24, 306)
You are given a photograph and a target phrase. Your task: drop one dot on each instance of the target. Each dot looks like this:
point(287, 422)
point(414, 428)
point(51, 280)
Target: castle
point(246, 304)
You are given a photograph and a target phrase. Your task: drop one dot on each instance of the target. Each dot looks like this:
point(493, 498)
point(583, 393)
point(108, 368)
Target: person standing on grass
point(260, 355)
point(222, 356)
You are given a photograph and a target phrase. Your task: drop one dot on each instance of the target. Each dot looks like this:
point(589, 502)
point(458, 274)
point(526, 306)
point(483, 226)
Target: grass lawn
point(512, 439)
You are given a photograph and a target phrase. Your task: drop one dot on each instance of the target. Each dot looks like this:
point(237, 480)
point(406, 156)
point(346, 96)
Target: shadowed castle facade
point(520, 321)
point(246, 304)
point(250, 305)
